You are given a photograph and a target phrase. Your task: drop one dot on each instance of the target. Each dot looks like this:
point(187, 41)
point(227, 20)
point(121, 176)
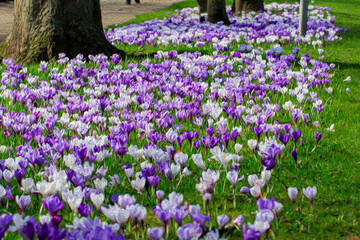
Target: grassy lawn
point(335, 166)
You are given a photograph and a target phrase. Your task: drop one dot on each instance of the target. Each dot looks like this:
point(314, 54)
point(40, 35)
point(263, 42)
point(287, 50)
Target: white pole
point(303, 17)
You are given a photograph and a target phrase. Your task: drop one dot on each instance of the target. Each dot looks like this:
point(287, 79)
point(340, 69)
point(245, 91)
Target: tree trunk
point(248, 5)
point(217, 11)
point(44, 28)
point(202, 4)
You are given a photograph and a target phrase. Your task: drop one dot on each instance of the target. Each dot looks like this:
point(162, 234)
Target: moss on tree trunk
point(217, 11)
point(44, 28)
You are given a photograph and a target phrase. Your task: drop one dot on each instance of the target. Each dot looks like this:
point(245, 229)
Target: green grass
point(335, 165)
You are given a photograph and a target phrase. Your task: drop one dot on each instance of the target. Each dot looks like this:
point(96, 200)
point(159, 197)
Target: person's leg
point(128, 1)
point(137, 1)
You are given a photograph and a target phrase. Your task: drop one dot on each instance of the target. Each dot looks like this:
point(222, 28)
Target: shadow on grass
point(344, 65)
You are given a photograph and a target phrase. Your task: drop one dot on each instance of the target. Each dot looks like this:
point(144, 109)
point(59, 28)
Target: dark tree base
point(217, 12)
point(44, 28)
point(247, 5)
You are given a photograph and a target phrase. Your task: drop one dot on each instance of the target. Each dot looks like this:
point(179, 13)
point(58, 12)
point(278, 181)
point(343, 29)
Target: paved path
point(113, 11)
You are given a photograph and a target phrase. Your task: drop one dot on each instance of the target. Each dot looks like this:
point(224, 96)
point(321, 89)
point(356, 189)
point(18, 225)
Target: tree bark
point(202, 5)
point(44, 28)
point(248, 5)
point(217, 12)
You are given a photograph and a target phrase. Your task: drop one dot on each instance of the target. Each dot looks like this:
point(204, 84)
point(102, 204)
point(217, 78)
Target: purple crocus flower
point(266, 204)
point(126, 200)
point(85, 210)
point(5, 222)
point(78, 180)
point(19, 175)
point(271, 151)
point(28, 230)
point(199, 218)
point(210, 131)
point(318, 136)
point(155, 233)
point(234, 134)
point(188, 135)
point(295, 50)
point(296, 114)
point(115, 58)
point(23, 202)
point(180, 139)
point(250, 234)
point(239, 220)
point(189, 231)
point(148, 171)
point(294, 155)
point(53, 204)
point(226, 138)
point(287, 127)
point(43, 231)
point(245, 190)
point(284, 138)
point(153, 180)
point(222, 220)
point(114, 197)
point(80, 154)
point(159, 194)
point(310, 193)
point(197, 144)
point(257, 130)
point(56, 220)
point(222, 129)
point(57, 233)
point(295, 134)
point(8, 194)
point(292, 192)
point(178, 214)
point(268, 163)
point(163, 215)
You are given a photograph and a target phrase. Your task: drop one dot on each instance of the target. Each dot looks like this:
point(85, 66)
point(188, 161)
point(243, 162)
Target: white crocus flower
point(2, 192)
point(266, 175)
point(19, 223)
point(292, 192)
point(252, 179)
point(129, 172)
point(45, 218)
point(121, 216)
point(186, 172)
point(138, 184)
point(252, 143)
point(221, 157)
point(74, 202)
point(101, 184)
point(198, 161)
point(45, 188)
point(70, 161)
point(175, 169)
point(255, 191)
point(238, 148)
point(181, 158)
point(348, 79)
point(288, 106)
point(27, 185)
point(97, 199)
point(331, 128)
point(133, 151)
